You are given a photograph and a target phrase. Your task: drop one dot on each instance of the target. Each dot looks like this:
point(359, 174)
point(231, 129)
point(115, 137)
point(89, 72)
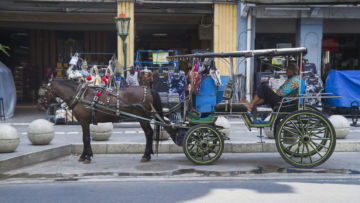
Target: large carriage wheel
point(305, 139)
point(203, 144)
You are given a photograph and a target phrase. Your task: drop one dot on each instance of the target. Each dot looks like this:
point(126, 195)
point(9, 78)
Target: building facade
point(43, 34)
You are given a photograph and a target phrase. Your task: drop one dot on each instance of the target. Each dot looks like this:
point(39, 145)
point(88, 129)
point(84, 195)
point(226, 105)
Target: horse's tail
point(158, 107)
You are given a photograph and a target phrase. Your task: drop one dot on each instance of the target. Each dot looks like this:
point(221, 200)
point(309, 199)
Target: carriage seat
point(235, 107)
point(195, 118)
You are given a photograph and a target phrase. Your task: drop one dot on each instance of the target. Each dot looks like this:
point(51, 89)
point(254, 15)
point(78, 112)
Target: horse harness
point(82, 89)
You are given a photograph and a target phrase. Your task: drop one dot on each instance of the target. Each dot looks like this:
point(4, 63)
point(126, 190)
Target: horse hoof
point(81, 159)
point(87, 161)
point(144, 159)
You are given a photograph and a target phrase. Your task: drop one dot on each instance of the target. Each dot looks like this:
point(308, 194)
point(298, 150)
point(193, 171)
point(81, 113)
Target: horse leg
point(87, 152)
point(149, 141)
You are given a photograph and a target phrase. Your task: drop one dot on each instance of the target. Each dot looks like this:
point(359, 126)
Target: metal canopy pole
point(247, 53)
point(248, 60)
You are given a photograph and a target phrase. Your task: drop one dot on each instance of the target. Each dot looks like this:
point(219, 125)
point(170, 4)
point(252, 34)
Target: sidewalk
point(128, 138)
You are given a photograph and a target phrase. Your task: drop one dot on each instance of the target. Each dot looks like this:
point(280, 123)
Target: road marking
point(16, 123)
point(24, 133)
point(130, 131)
point(72, 133)
point(60, 133)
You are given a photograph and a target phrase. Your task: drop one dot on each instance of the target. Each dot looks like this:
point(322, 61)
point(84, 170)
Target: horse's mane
point(68, 83)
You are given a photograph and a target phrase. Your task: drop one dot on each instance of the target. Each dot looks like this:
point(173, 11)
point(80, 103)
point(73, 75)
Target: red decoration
point(106, 82)
point(89, 78)
point(122, 15)
point(98, 94)
point(107, 77)
point(104, 79)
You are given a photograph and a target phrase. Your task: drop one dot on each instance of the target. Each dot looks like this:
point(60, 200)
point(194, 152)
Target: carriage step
point(260, 122)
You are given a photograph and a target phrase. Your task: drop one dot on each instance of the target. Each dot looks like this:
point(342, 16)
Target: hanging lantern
point(122, 26)
point(228, 91)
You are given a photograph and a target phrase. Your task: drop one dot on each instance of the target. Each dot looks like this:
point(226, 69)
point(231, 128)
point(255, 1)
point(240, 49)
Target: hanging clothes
point(132, 78)
point(177, 82)
point(196, 78)
point(146, 78)
point(275, 83)
point(160, 81)
point(314, 87)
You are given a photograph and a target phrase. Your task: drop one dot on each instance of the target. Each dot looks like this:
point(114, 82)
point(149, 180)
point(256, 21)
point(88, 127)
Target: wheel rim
point(203, 145)
point(306, 139)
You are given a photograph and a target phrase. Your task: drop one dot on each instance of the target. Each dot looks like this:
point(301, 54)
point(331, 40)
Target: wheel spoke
point(289, 147)
point(307, 148)
point(302, 153)
point(295, 127)
point(301, 125)
point(319, 138)
point(297, 149)
point(318, 144)
point(314, 125)
point(291, 132)
point(316, 150)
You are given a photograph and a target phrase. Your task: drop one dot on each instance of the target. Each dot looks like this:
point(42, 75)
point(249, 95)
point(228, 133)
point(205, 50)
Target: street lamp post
point(122, 26)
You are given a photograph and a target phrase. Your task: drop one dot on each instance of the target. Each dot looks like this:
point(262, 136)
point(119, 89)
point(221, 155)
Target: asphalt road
point(248, 190)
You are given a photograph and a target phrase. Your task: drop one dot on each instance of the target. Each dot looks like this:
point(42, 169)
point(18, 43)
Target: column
point(225, 20)
point(310, 32)
point(242, 34)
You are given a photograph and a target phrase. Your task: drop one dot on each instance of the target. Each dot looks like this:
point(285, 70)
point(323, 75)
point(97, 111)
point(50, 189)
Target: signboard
point(160, 57)
point(330, 44)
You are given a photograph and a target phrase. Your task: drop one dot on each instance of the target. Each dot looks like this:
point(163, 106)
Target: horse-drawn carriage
point(304, 137)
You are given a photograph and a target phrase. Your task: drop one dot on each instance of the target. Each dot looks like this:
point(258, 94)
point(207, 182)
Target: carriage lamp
point(228, 91)
point(122, 26)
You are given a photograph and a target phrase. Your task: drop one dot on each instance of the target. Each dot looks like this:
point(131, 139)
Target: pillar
point(225, 18)
point(242, 34)
point(127, 8)
point(310, 32)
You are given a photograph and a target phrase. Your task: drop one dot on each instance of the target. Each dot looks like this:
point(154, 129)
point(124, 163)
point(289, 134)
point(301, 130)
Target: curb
point(34, 158)
point(138, 148)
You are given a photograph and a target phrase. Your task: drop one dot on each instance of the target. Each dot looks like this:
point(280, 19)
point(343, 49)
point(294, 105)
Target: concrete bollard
point(9, 139)
point(341, 126)
point(40, 132)
point(225, 124)
point(101, 131)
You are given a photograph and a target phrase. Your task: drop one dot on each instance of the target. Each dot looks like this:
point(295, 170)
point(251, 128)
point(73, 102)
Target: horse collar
point(79, 91)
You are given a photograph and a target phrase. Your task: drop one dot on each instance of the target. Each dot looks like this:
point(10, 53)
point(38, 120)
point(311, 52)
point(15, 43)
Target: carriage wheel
point(203, 144)
point(305, 139)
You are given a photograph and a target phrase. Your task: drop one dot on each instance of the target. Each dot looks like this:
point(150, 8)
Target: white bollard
point(341, 126)
point(101, 131)
point(9, 139)
point(225, 124)
point(40, 132)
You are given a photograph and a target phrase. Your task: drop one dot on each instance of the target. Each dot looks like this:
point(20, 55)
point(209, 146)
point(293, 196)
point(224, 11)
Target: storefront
point(43, 36)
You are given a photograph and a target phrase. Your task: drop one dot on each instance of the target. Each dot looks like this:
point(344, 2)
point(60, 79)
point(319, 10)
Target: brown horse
point(134, 100)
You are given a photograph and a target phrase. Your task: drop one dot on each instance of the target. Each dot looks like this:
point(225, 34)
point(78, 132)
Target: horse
point(138, 101)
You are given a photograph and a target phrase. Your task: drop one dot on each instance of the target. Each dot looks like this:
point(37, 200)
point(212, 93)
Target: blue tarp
point(345, 84)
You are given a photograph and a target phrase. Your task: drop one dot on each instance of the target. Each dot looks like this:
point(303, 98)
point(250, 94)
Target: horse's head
point(49, 96)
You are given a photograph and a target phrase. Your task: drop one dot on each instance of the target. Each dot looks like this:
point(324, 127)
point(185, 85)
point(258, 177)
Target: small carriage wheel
point(203, 144)
point(305, 139)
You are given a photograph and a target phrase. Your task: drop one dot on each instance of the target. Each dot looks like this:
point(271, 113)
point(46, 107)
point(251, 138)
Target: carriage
point(304, 137)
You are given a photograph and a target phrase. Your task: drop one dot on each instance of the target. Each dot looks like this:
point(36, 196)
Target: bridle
point(49, 91)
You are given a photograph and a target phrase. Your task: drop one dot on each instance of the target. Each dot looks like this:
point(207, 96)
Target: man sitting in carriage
point(265, 95)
